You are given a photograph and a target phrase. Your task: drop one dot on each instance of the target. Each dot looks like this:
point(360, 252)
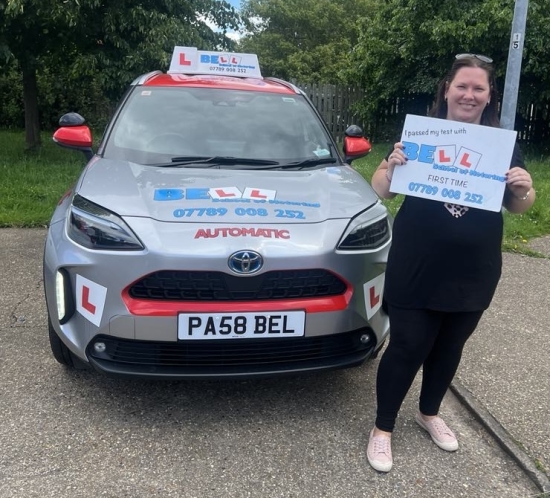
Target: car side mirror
point(74, 134)
point(355, 144)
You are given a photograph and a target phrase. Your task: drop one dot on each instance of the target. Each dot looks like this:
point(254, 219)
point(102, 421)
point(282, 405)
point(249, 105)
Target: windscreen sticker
point(146, 93)
point(373, 291)
point(90, 299)
point(321, 152)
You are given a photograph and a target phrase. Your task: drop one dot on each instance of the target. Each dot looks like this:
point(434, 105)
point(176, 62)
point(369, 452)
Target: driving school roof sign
point(189, 60)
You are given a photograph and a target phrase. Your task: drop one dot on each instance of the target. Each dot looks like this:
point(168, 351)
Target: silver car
point(216, 232)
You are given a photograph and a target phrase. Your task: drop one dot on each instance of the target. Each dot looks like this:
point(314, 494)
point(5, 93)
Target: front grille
point(218, 286)
point(231, 356)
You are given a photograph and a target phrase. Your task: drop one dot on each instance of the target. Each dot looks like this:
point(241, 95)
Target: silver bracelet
point(525, 197)
point(388, 177)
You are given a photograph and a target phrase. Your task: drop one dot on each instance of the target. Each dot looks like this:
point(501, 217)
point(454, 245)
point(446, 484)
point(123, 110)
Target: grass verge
point(32, 184)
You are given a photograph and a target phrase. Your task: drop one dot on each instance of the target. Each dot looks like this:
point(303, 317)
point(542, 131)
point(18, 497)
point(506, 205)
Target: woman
point(443, 269)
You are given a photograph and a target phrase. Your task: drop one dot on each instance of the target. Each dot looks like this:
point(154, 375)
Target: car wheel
point(61, 352)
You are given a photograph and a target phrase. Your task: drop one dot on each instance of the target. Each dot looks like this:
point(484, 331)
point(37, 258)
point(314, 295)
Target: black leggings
point(431, 339)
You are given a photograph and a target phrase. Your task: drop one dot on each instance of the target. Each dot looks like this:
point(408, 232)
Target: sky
point(236, 4)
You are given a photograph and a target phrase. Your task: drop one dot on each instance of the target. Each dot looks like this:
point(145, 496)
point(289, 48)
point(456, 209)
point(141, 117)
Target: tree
point(26, 31)
point(115, 39)
point(407, 46)
point(303, 39)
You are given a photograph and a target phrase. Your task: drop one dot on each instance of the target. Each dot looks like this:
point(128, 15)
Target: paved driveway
point(74, 434)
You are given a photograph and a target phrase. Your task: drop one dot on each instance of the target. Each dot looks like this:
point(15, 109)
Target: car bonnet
point(177, 194)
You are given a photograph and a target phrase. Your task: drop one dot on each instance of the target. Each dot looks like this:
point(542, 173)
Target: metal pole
point(513, 69)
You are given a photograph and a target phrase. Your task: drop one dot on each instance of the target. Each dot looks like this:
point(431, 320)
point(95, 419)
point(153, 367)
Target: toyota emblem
point(245, 262)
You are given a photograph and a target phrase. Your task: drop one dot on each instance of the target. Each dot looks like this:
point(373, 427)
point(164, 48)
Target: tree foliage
point(407, 46)
point(308, 40)
point(85, 52)
point(110, 41)
point(125, 38)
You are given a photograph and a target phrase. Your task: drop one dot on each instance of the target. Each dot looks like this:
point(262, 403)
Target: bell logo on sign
point(442, 155)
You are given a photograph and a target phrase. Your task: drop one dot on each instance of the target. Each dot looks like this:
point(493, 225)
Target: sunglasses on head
point(482, 58)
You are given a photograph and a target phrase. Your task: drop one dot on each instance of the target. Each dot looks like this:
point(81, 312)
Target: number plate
point(192, 326)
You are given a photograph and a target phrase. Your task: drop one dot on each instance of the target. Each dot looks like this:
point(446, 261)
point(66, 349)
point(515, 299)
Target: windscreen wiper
point(213, 161)
point(305, 163)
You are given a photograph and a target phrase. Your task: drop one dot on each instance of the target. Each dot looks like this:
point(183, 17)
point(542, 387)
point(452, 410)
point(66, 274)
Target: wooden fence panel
point(335, 103)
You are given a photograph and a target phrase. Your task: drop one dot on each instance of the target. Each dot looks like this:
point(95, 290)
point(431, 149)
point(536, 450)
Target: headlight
point(94, 227)
point(364, 234)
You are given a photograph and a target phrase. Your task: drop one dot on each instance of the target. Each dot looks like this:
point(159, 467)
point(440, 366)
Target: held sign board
point(454, 162)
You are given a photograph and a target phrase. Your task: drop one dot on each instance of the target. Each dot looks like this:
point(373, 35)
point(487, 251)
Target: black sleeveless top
point(445, 257)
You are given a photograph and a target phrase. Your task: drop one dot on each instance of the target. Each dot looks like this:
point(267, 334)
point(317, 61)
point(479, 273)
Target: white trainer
point(440, 433)
point(379, 453)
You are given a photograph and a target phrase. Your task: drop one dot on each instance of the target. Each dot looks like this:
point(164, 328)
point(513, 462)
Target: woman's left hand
point(518, 181)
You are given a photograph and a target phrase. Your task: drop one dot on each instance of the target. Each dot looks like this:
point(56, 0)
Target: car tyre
point(62, 353)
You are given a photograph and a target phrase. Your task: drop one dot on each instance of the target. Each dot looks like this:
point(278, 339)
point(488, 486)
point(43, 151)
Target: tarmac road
point(74, 434)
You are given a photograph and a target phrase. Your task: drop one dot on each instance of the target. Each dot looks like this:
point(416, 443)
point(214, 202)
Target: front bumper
point(240, 358)
point(140, 333)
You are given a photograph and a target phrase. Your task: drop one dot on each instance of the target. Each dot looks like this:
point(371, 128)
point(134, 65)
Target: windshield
point(160, 123)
